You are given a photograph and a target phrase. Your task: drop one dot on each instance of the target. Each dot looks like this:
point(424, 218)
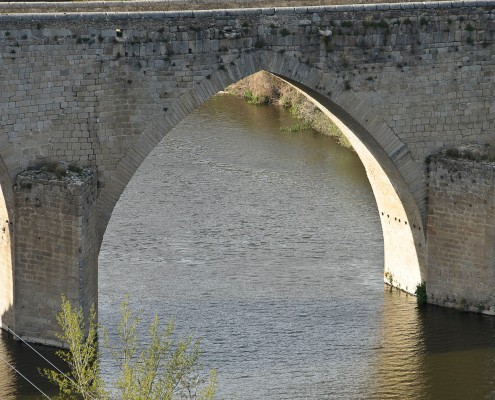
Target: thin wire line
point(32, 348)
point(47, 360)
point(37, 388)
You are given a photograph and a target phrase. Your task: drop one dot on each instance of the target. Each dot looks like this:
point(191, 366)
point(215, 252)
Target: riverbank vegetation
point(163, 368)
point(263, 88)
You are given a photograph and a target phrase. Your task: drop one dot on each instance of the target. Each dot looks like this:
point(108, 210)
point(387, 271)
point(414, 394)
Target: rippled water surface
point(267, 244)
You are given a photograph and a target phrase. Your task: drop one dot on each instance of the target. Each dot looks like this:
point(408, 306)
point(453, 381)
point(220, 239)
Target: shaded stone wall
point(55, 250)
point(461, 234)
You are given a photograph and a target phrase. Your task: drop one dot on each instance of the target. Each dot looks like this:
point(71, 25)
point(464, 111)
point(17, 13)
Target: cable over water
point(27, 380)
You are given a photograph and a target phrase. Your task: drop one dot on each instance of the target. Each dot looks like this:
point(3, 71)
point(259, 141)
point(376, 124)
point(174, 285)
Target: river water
point(267, 245)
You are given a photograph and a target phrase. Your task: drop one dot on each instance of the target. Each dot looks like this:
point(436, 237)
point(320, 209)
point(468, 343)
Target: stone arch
point(397, 180)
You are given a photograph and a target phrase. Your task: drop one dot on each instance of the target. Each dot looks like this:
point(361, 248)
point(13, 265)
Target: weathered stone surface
point(461, 234)
point(55, 236)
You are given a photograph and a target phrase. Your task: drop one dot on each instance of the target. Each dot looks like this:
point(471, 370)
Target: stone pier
point(56, 248)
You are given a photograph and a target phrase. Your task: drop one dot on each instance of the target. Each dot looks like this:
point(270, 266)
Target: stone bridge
point(85, 96)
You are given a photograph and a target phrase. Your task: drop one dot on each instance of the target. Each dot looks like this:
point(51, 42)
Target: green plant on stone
point(74, 168)
point(420, 293)
point(251, 98)
point(26, 185)
point(51, 166)
point(389, 277)
point(304, 126)
point(55, 168)
point(60, 171)
point(453, 153)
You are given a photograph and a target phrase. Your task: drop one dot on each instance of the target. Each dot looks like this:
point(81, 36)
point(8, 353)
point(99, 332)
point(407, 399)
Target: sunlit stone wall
point(6, 271)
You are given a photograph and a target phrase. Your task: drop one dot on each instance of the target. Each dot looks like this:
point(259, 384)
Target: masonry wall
point(102, 89)
point(56, 251)
point(461, 234)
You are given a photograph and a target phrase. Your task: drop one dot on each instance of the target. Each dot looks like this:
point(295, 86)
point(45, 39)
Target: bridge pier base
point(461, 234)
point(55, 248)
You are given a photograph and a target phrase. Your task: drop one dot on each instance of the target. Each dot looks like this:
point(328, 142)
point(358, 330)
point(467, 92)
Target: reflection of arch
point(6, 248)
point(396, 179)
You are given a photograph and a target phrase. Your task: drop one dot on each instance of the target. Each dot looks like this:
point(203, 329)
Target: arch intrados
point(286, 67)
point(6, 248)
point(406, 260)
point(305, 78)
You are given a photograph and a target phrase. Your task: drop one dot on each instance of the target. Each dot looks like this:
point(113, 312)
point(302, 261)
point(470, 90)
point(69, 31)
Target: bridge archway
point(395, 178)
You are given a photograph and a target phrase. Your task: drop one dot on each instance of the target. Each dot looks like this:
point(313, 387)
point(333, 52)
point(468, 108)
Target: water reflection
point(399, 367)
point(8, 378)
point(28, 363)
point(432, 353)
point(459, 354)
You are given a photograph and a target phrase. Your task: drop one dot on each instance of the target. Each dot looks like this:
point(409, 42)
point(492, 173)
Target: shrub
point(161, 369)
point(51, 166)
point(60, 171)
point(420, 293)
point(74, 168)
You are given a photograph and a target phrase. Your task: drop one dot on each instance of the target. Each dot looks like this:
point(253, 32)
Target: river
point(267, 244)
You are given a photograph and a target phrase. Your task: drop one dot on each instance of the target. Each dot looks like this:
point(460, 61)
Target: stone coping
point(15, 11)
